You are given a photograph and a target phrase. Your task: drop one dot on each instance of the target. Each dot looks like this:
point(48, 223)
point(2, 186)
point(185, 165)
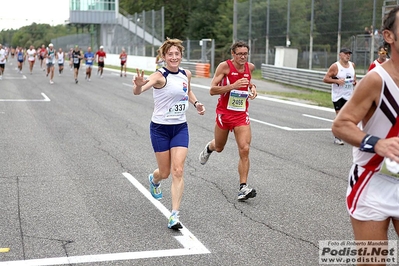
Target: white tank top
point(338, 92)
point(31, 54)
point(171, 101)
point(60, 57)
point(381, 123)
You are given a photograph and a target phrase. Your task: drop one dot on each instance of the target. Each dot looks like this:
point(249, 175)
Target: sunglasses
point(383, 52)
point(241, 54)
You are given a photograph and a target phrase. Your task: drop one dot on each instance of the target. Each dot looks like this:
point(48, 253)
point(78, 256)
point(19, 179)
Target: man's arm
point(360, 108)
point(331, 74)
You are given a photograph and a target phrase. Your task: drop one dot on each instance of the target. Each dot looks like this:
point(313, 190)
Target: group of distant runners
point(49, 57)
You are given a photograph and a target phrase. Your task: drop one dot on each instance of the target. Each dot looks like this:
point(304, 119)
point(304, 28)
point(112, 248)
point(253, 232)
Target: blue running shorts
point(165, 137)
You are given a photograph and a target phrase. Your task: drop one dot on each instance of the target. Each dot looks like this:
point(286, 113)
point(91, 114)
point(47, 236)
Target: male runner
point(89, 57)
point(42, 55)
point(123, 58)
point(76, 57)
point(232, 82)
point(3, 59)
point(20, 58)
point(60, 60)
point(100, 56)
point(50, 60)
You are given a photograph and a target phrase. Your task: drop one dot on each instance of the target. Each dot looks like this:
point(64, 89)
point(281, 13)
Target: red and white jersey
point(375, 63)
point(384, 123)
point(42, 51)
point(101, 55)
point(123, 57)
point(234, 100)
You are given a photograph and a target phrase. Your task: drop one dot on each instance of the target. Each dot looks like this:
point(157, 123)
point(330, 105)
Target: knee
point(177, 172)
point(219, 149)
point(164, 174)
point(243, 151)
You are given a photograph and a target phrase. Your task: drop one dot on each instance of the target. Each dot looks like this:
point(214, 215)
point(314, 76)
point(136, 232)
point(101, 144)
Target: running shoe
point(76, 81)
point(1, 77)
point(174, 222)
point(51, 82)
point(245, 193)
point(338, 141)
point(204, 155)
point(155, 189)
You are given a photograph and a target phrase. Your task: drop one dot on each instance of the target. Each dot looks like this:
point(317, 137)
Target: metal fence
point(252, 27)
point(139, 34)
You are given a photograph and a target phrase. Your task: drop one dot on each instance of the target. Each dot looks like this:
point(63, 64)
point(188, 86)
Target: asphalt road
point(73, 179)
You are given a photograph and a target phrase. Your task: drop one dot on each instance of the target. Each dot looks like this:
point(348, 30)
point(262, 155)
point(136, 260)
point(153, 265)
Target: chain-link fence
point(283, 21)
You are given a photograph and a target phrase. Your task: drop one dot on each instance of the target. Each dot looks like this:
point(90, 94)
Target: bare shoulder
point(223, 66)
point(368, 90)
point(251, 66)
point(188, 73)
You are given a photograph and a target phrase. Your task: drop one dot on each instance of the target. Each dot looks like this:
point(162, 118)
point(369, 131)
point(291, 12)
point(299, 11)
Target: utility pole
point(339, 29)
point(311, 37)
point(287, 41)
point(267, 32)
point(235, 21)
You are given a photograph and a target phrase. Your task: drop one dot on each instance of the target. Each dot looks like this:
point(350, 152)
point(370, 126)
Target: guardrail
point(303, 78)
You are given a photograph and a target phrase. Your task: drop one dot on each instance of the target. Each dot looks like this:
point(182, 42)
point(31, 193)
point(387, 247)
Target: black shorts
point(101, 64)
point(2, 66)
point(41, 57)
point(339, 104)
point(76, 66)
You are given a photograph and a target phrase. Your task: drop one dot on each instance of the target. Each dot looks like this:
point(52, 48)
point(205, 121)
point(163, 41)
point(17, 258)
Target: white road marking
point(319, 118)
point(289, 128)
point(21, 77)
point(46, 99)
point(191, 245)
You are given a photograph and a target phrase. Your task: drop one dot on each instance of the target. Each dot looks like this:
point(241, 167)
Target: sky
point(19, 13)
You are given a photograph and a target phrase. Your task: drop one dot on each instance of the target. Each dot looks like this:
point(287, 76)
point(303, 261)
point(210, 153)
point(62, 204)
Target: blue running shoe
point(174, 222)
point(155, 189)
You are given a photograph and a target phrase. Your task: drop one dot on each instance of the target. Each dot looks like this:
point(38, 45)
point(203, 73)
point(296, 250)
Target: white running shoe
point(338, 141)
point(204, 155)
point(51, 82)
point(245, 193)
